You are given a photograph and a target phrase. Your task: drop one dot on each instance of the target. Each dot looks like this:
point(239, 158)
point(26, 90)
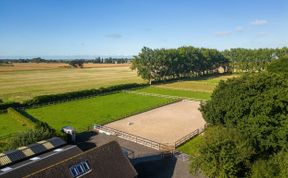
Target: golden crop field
point(21, 82)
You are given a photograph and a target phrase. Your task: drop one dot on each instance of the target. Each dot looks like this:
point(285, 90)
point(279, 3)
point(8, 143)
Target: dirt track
point(165, 124)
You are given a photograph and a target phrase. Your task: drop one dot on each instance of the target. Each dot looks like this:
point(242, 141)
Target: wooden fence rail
point(134, 138)
point(167, 147)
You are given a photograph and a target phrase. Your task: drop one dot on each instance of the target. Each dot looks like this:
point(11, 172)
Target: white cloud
point(239, 29)
point(114, 35)
point(259, 22)
point(222, 34)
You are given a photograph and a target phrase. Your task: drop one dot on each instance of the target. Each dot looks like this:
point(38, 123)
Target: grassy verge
point(192, 146)
point(98, 110)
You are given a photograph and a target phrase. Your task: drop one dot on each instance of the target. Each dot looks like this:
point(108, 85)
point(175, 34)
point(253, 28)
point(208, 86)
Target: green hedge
point(5, 106)
point(20, 118)
point(53, 98)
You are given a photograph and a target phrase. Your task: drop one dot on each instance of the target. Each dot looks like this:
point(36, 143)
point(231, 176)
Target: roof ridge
point(88, 151)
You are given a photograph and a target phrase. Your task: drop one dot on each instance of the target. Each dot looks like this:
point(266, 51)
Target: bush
point(42, 131)
point(276, 166)
point(223, 153)
point(4, 106)
point(279, 65)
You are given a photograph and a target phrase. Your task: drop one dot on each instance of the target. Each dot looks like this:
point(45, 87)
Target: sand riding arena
point(171, 125)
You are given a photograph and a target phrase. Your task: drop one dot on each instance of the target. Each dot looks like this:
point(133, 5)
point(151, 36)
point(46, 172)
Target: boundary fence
point(134, 138)
point(190, 135)
point(167, 147)
point(161, 95)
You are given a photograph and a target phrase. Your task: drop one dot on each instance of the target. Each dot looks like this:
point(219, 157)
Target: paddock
point(166, 124)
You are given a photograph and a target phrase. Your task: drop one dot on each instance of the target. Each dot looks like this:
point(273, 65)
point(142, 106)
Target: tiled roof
point(106, 161)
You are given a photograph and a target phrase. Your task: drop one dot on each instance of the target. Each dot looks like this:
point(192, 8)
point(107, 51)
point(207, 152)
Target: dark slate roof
point(106, 161)
point(42, 161)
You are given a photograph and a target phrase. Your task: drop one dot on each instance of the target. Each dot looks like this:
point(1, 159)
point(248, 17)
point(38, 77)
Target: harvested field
point(21, 85)
point(166, 124)
point(42, 66)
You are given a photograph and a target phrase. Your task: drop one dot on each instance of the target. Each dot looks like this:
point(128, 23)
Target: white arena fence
point(167, 147)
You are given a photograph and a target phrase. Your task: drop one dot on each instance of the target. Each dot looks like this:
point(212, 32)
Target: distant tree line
point(165, 64)
point(98, 60)
point(252, 60)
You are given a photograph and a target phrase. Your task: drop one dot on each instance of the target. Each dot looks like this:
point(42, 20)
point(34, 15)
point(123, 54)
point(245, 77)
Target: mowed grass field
point(200, 89)
point(196, 95)
point(97, 110)
point(9, 126)
point(26, 82)
point(204, 84)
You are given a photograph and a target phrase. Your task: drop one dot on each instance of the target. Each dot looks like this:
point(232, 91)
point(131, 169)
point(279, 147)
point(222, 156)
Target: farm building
point(66, 161)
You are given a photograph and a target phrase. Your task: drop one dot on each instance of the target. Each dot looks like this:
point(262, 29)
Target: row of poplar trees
point(183, 62)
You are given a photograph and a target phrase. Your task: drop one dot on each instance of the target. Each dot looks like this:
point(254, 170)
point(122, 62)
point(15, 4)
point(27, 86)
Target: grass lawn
point(98, 110)
point(21, 85)
point(9, 126)
point(192, 146)
point(176, 92)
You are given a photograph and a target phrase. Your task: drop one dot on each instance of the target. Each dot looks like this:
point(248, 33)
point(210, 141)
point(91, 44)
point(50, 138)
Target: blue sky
point(123, 27)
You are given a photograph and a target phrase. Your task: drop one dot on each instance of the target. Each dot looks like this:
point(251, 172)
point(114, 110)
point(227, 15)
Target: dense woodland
point(183, 62)
point(248, 126)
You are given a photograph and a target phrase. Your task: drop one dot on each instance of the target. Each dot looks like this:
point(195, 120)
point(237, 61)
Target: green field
point(21, 85)
point(98, 110)
point(9, 126)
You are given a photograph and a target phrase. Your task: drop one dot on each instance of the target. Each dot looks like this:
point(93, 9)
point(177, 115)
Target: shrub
point(274, 167)
point(279, 65)
point(42, 131)
point(223, 153)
